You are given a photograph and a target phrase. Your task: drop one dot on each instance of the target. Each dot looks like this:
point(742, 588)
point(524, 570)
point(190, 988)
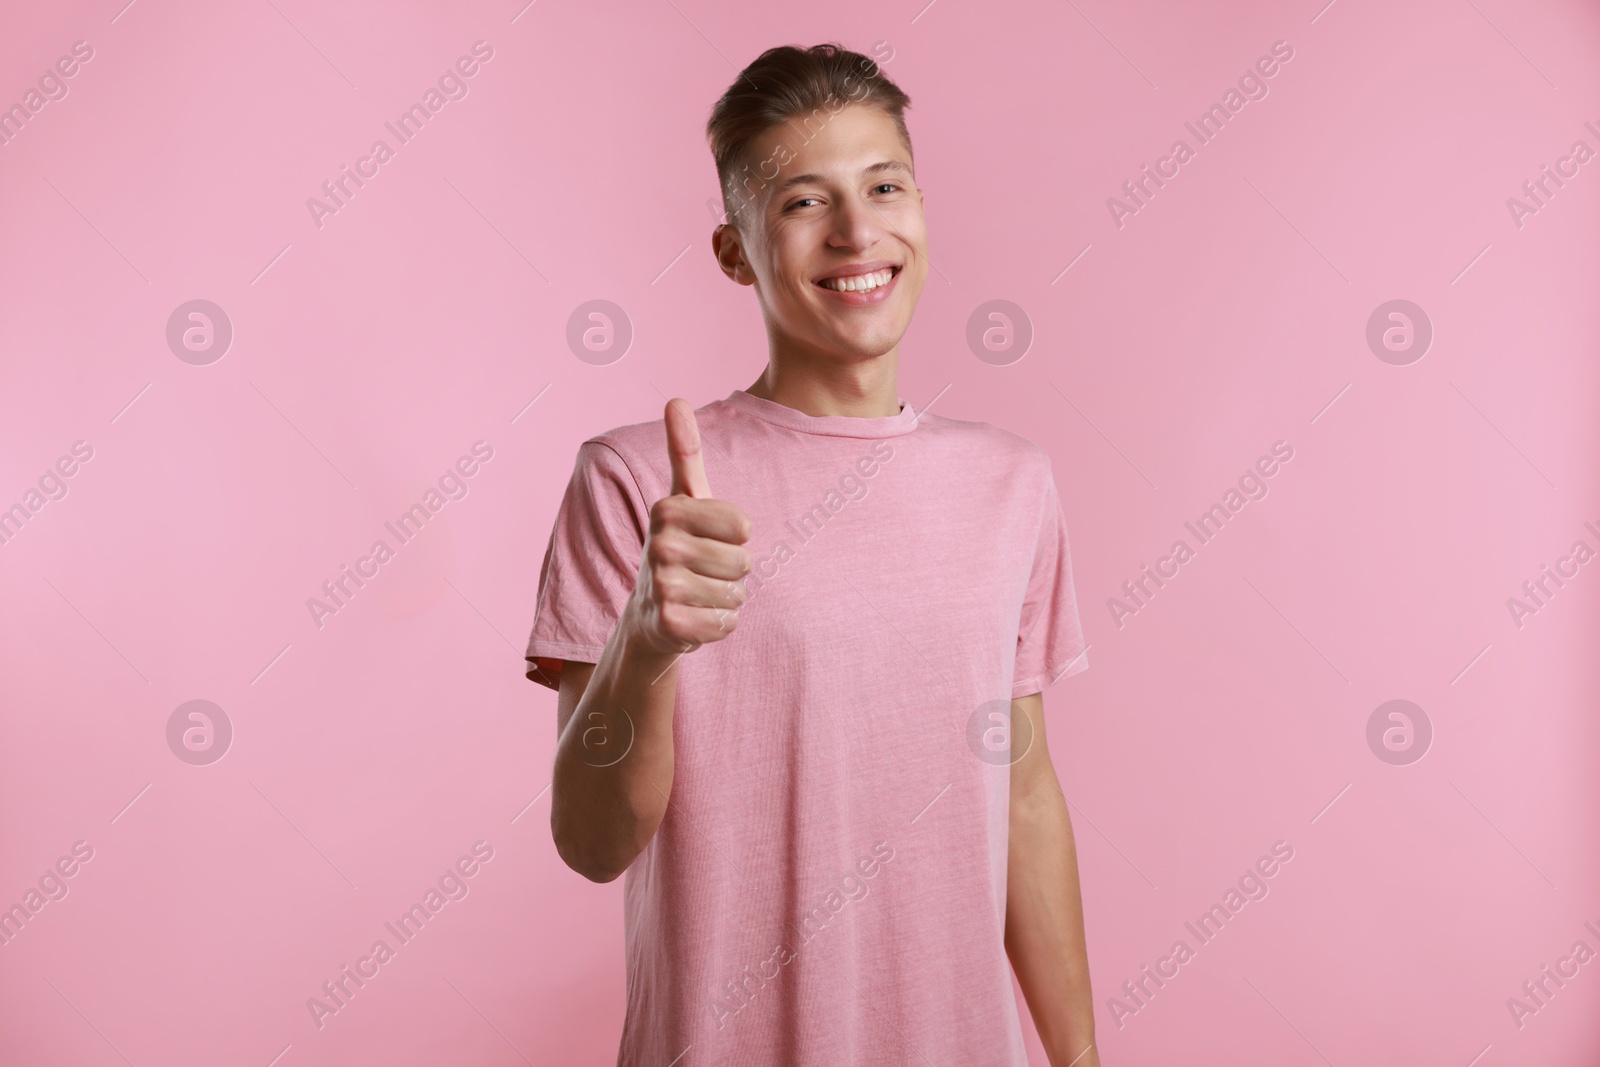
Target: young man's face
point(854, 211)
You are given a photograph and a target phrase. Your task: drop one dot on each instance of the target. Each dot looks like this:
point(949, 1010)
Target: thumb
point(683, 451)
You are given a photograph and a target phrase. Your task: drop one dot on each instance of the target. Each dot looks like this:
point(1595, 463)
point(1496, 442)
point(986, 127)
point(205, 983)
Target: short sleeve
point(1050, 644)
point(590, 564)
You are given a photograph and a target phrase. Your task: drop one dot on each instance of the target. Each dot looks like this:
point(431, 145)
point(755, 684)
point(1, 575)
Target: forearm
point(614, 760)
point(1044, 929)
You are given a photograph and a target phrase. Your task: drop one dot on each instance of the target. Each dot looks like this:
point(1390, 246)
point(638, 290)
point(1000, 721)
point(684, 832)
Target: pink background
point(369, 353)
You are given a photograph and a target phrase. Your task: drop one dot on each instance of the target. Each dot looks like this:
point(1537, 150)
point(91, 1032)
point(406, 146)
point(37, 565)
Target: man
point(803, 712)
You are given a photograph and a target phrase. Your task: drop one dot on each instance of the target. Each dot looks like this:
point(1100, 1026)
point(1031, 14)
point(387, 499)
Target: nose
point(857, 223)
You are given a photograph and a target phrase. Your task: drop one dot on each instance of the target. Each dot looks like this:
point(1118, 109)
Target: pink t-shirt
point(828, 884)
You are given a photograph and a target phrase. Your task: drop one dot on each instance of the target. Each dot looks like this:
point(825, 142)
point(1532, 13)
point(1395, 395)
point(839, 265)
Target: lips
point(888, 277)
point(855, 270)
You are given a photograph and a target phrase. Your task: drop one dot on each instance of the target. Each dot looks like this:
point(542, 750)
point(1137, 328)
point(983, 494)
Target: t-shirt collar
point(827, 425)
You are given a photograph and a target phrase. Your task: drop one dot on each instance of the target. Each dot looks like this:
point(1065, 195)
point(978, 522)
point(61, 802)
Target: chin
point(863, 348)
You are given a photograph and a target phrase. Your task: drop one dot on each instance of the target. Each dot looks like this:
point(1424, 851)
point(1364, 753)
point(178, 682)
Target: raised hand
point(691, 572)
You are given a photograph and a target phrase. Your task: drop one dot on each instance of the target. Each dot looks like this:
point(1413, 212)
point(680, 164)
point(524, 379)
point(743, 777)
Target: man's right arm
point(614, 757)
point(604, 809)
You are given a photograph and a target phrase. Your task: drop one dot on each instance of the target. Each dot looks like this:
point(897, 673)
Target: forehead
point(836, 145)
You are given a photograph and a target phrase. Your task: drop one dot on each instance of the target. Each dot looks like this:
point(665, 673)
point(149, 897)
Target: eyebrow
point(804, 179)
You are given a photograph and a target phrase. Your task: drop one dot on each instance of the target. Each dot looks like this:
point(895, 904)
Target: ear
point(727, 244)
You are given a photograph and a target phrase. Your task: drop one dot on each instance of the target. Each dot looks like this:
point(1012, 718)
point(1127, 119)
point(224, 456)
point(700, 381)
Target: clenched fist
point(691, 573)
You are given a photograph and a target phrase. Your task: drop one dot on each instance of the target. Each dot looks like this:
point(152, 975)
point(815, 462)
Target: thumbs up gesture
point(691, 572)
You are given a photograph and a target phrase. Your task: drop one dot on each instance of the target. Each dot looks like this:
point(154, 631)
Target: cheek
point(797, 280)
point(914, 276)
point(914, 227)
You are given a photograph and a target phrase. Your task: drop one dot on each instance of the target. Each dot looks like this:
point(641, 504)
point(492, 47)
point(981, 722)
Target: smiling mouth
point(860, 283)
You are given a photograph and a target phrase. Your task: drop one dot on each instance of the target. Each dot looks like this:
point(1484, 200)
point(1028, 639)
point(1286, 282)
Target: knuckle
point(672, 622)
point(654, 554)
point(665, 550)
point(668, 511)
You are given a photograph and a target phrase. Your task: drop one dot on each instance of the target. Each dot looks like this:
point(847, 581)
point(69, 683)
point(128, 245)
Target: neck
point(863, 390)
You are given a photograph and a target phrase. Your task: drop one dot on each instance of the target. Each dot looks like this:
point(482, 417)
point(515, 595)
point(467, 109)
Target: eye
point(797, 203)
point(891, 186)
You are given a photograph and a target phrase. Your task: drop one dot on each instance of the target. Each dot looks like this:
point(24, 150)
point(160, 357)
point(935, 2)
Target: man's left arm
point(1044, 909)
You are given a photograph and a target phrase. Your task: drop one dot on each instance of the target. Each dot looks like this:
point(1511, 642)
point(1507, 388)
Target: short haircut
point(783, 84)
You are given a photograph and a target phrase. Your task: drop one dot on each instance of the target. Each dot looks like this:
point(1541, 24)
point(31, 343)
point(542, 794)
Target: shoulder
point(636, 441)
point(628, 444)
point(638, 450)
point(990, 449)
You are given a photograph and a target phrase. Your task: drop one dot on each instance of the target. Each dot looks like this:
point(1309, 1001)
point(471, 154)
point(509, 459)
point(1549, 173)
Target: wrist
point(1078, 1051)
point(635, 645)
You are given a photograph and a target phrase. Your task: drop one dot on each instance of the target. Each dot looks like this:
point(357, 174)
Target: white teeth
point(860, 283)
